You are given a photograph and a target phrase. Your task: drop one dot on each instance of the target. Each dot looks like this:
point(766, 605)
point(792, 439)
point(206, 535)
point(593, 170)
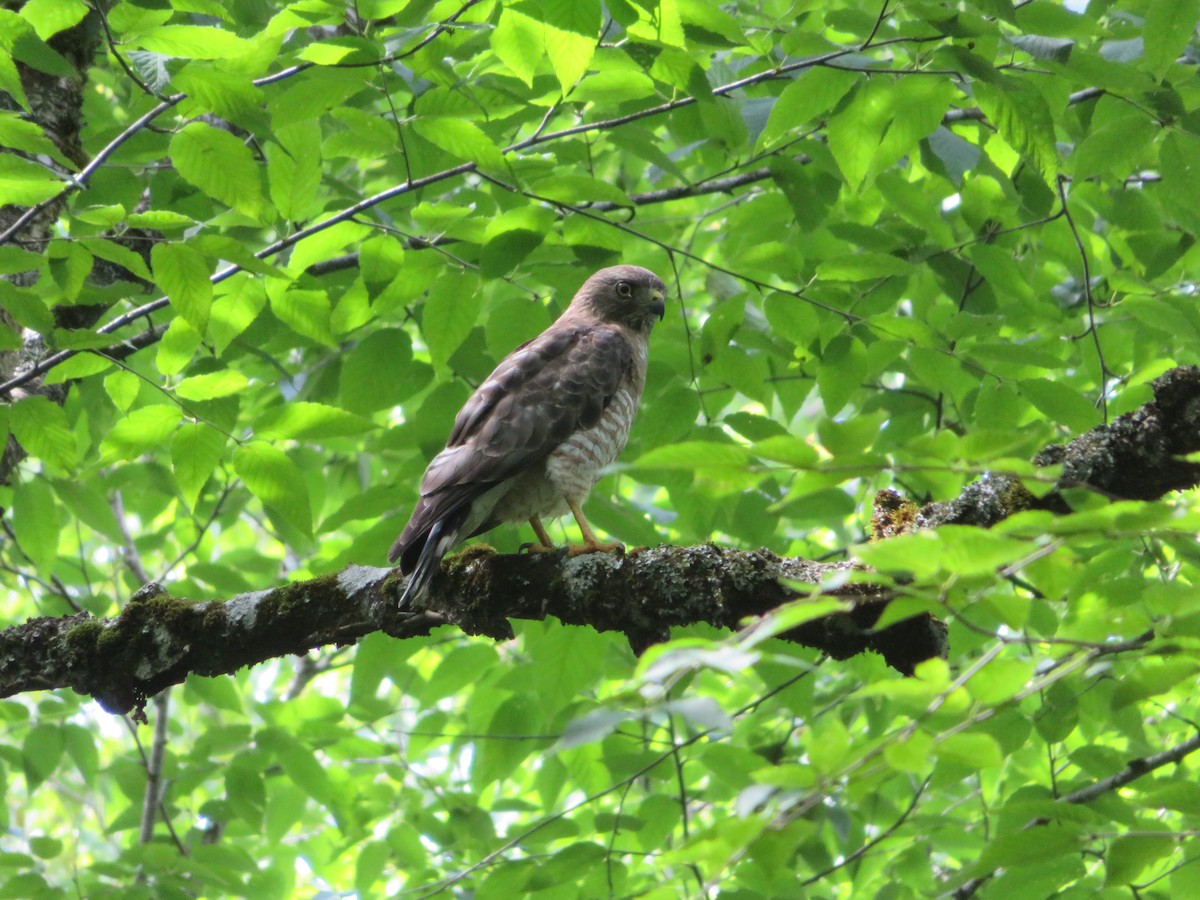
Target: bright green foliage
point(874, 282)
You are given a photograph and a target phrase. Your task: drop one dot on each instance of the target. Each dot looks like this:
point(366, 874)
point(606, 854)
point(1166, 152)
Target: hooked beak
point(658, 304)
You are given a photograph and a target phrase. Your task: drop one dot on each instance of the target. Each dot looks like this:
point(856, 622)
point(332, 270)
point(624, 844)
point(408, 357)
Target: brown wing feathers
point(534, 400)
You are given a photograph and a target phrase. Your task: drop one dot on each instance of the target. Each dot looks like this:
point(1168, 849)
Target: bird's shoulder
point(564, 359)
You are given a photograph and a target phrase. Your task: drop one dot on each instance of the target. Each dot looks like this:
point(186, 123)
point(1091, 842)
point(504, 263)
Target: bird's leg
point(591, 543)
point(544, 544)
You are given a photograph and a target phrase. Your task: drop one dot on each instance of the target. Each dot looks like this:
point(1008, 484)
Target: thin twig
point(1087, 293)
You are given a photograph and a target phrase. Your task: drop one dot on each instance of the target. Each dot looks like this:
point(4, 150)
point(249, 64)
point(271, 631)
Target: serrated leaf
point(450, 312)
point(1127, 857)
point(20, 134)
point(41, 752)
point(1060, 403)
point(957, 154)
point(212, 385)
point(517, 40)
point(183, 275)
point(140, 431)
point(1170, 25)
point(122, 388)
point(218, 164)
point(862, 266)
point(196, 450)
point(49, 17)
point(159, 218)
point(1113, 149)
point(691, 455)
point(193, 42)
point(177, 347)
point(856, 131)
point(90, 506)
point(41, 428)
point(36, 522)
point(380, 372)
point(301, 420)
point(115, 253)
point(840, 372)
point(234, 312)
point(461, 139)
point(811, 96)
point(569, 52)
point(1020, 113)
point(293, 182)
point(1042, 47)
point(276, 480)
point(305, 312)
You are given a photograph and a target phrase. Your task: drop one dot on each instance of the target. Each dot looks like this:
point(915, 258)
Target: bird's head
point(624, 295)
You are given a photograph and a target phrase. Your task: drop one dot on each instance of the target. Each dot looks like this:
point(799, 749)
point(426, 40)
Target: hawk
point(534, 438)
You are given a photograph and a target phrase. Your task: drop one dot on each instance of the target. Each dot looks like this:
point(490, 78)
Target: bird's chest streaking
point(572, 469)
point(577, 464)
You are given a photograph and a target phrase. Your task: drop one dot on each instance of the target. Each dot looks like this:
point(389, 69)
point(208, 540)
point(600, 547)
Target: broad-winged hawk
point(535, 437)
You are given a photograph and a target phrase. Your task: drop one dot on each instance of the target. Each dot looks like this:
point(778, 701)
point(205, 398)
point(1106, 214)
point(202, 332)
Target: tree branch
point(158, 640)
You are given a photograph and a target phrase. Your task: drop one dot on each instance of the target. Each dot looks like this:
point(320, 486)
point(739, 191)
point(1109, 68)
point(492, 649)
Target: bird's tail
point(444, 534)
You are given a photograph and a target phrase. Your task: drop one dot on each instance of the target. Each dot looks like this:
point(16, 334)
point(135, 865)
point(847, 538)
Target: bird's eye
point(623, 289)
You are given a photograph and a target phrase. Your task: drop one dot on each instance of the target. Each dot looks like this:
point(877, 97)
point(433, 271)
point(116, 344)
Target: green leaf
point(226, 94)
point(41, 752)
point(450, 312)
point(517, 40)
point(183, 275)
point(299, 420)
point(1129, 856)
point(19, 134)
point(234, 312)
point(293, 182)
point(115, 253)
point(1170, 26)
point(975, 751)
point(856, 131)
point(512, 236)
point(811, 96)
point(274, 479)
point(914, 754)
point(326, 243)
point(380, 372)
point(691, 455)
point(49, 17)
point(41, 428)
point(139, 431)
point(862, 266)
point(570, 52)
point(193, 42)
point(305, 312)
point(1023, 118)
point(89, 505)
point(1061, 404)
point(212, 385)
point(461, 139)
point(841, 372)
point(196, 450)
point(610, 86)
point(1114, 149)
point(36, 521)
point(218, 164)
point(1154, 677)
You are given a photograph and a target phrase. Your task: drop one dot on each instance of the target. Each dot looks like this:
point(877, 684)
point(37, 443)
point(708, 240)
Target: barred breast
point(576, 465)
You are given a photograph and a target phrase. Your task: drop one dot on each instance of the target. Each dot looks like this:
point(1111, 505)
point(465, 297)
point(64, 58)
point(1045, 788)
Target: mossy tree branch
point(158, 640)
